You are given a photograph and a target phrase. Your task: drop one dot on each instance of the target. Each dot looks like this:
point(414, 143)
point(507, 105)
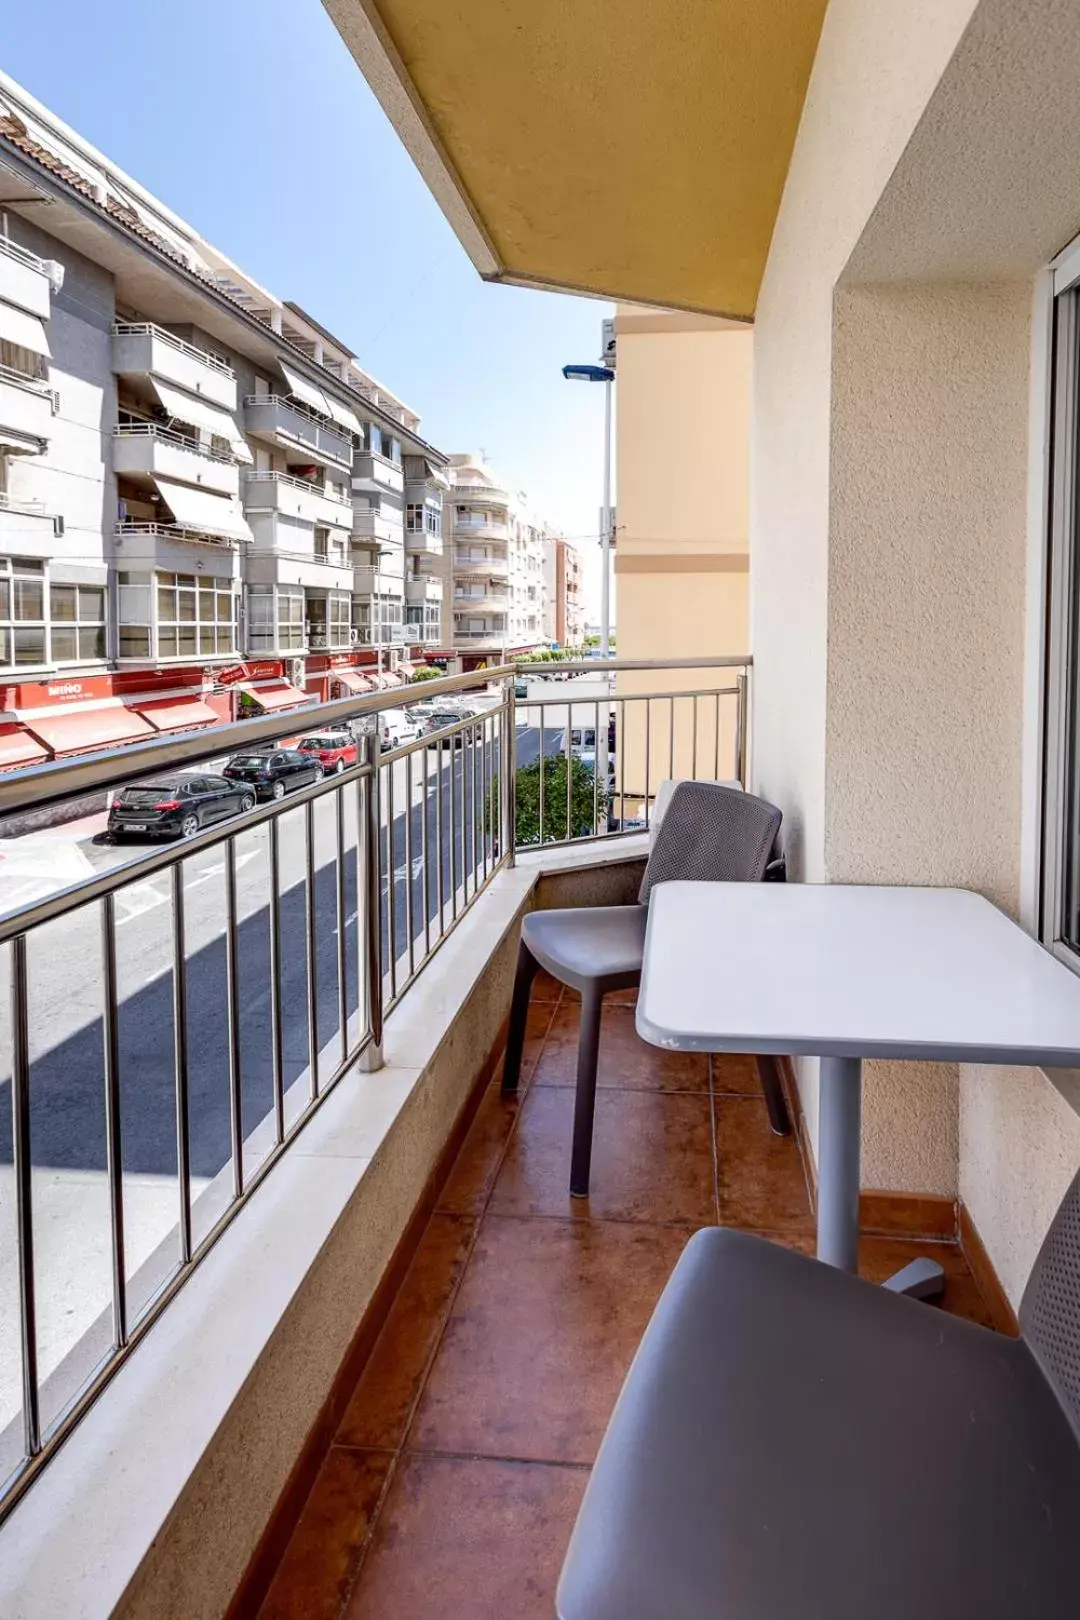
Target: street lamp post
point(605, 375)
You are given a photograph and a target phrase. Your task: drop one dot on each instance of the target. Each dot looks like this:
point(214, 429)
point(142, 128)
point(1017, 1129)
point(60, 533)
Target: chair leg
point(775, 1101)
point(519, 1013)
point(585, 1097)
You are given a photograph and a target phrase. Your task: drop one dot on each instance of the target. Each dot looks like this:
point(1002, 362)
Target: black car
point(176, 806)
point(272, 772)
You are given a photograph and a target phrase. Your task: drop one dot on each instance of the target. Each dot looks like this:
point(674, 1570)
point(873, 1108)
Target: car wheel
point(319, 774)
point(339, 767)
point(278, 790)
point(189, 826)
point(247, 803)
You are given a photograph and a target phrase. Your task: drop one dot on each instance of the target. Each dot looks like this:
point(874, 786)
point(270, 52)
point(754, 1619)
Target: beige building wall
point(890, 537)
point(683, 388)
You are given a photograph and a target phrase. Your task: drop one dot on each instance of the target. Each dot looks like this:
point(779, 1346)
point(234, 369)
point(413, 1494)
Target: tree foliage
point(583, 820)
point(426, 673)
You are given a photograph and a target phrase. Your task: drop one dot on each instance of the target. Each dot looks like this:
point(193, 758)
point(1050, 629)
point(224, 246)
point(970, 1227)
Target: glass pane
point(65, 643)
point(91, 604)
point(186, 639)
point(185, 606)
point(30, 646)
point(207, 640)
point(223, 607)
point(5, 599)
point(5, 646)
point(92, 642)
point(165, 603)
point(29, 599)
point(134, 643)
point(62, 599)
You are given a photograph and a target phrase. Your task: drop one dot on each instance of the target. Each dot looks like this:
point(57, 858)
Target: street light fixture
point(605, 375)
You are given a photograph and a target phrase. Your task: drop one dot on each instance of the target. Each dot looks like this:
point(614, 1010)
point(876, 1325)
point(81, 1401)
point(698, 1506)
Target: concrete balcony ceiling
point(547, 134)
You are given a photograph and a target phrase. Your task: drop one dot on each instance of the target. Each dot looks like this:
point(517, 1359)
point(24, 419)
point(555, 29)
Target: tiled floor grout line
point(400, 1449)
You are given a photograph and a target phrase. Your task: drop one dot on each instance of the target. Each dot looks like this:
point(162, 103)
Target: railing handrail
point(325, 422)
point(21, 379)
point(179, 531)
point(156, 430)
point(23, 255)
point(150, 329)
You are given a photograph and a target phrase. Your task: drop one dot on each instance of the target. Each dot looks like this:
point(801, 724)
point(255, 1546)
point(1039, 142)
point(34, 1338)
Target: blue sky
point(250, 119)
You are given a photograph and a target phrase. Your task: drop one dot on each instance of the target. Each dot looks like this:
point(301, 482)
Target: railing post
point(740, 727)
point(371, 892)
point(509, 773)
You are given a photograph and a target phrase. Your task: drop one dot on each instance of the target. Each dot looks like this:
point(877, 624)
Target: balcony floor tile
point(454, 1479)
point(469, 1536)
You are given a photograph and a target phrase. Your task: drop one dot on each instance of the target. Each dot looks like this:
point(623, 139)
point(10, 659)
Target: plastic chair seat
point(793, 1443)
point(595, 946)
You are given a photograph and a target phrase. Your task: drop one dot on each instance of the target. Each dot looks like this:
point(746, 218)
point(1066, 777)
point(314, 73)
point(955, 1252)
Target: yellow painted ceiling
point(632, 148)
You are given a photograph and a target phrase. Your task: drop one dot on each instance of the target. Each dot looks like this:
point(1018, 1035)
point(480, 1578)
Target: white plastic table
point(844, 973)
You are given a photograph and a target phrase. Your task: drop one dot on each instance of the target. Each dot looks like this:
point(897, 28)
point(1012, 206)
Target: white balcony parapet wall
point(368, 525)
point(24, 279)
point(376, 475)
point(143, 349)
point(374, 582)
point(26, 413)
point(26, 528)
point(295, 498)
point(423, 590)
point(146, 450)
point(419, 543)
point(290, 425)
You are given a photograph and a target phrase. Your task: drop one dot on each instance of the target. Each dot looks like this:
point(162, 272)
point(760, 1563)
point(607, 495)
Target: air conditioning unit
point(58, 528)
point(296, 673)
point(354, 637)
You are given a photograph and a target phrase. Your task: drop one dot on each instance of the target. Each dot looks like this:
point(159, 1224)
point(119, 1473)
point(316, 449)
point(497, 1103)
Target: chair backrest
point(1050, 1308)
point(712, 834)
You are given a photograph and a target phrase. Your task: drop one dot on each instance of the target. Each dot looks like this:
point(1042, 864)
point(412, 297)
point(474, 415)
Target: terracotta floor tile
point(545, 988)
point(625, 1059)
point(735, 1076)
point(543, 1329)
point(881, 1257)
point(762, 1186)
point(652, 1159)
point(321, 1560)
point(477, 1165)
point(469, 1539)
point(380, 1407)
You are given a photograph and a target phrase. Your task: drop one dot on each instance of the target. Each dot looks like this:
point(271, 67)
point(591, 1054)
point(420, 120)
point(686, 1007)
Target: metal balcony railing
point(148, 329)
point(21, 255)
point(167, 435)
point(175, 1020)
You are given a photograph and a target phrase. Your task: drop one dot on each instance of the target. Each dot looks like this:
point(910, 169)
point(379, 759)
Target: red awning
point(79, 731)
point(353, 681)
point(276, 695)
point(17, 747)
point(178, 713)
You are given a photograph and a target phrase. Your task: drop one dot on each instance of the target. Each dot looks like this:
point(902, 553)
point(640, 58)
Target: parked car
point(272, 772)
point(335, 750)
point(521, 688)
point(438, 722)
point(396, 728)
point(176, 806)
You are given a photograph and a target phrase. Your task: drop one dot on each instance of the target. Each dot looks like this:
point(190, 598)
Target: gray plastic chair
point(711, 833)
point(794, 1443)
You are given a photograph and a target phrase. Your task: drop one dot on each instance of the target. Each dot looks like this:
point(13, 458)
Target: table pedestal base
point(839, 1142)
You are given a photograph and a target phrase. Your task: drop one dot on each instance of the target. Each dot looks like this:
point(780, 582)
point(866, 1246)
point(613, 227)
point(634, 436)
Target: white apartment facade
point(202, 494)
point(494, 571)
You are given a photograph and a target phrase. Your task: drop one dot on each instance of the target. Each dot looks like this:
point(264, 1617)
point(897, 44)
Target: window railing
point(210, 994)
point(177, 531)
point(148, 329)
point(167, 435)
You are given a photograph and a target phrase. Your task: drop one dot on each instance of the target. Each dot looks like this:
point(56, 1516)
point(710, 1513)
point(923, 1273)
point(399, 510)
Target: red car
point(335, 750)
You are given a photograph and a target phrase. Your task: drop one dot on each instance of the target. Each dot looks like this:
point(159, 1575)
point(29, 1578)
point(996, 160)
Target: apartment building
point(494, 576)
point(202, 493)
point(564, 623)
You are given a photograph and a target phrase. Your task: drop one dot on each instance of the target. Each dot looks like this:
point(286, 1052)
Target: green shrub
point(582, 822)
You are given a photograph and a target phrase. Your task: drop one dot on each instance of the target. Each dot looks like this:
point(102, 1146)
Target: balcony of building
point(423, 622)
point(27, 527)
point(476, 563)
point(292, 426)
point(142, 350)
point(423, 475)
point(469, 523)
point(471, 600)
point(298, 500)
point(376, 474)
point(27, 405)
point(145, 451)
point(481, 495)
point(422, 541)
point(377, 527)
point(25, 279)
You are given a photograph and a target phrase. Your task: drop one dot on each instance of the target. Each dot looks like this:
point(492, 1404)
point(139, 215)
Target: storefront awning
point(79, 731)
point(203, 512)
point(202, 413)
point(25, 331)
point(352, 681)
point(636, 152)
point(178, 713)
point(300, 388)
point(345, 417)
point(18, 748)
point(276, 695)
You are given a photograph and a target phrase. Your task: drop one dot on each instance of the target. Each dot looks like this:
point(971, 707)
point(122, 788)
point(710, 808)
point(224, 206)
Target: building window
point(275, 618)
point(77, 613)
point(423, 518)
point(23, 628)
point(195, 617)
point(378, 620)
point(24, 361)
point(423, 623)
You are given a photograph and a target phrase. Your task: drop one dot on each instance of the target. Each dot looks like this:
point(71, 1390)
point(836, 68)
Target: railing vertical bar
point(232, 985)
point(716, 742)
point(621, 743)
point(465, 743)
point(741, 684)
point(114, 1162)
point(440, 816)
point(568, 748)
point(24, 1199)
point(693, 744)
point(370, 852)
point(671, 738)
point(648, 771)
point(276, 1034)
point(508, 765)
point(453, 744)
point(474, 819)
point(543, 769)
point(484, 797)
point(391, 880)
point(310, 950)
point(425, 840)
point(409, 924)
point(180, 1061)
point(339, 897)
